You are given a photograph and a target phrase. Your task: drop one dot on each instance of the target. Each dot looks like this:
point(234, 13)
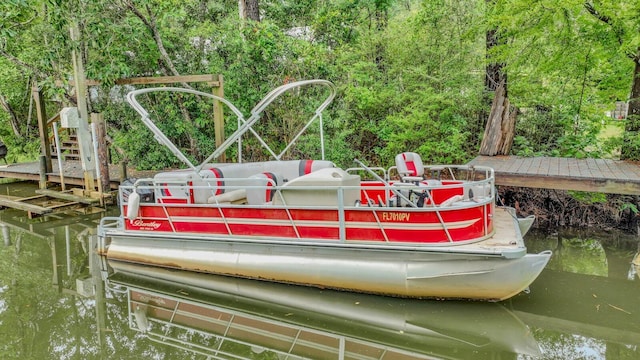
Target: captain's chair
point(410, 167)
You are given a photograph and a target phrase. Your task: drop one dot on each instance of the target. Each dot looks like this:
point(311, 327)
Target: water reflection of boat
point(217, 315)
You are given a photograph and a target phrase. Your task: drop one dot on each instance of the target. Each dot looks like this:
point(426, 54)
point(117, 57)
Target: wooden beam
point(209, 79)
point(43, 172)
point(19, 176)
point(67, 196)
point(64, 205)
point(30, 198)
point(25, 206)
point(607, 186)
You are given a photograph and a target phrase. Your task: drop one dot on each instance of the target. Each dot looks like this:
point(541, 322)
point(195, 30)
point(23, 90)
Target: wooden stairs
point(69, 148)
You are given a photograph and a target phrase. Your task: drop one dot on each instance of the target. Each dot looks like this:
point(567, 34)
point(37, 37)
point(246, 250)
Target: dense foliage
point(410, 73)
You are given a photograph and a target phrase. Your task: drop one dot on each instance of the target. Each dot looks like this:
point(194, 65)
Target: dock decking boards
point(595, 175)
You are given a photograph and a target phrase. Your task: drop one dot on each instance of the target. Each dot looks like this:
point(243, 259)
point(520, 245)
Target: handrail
point(53, 119)
point(385, 182)
point(485, 198)
point(289, 216)
point(375, 216)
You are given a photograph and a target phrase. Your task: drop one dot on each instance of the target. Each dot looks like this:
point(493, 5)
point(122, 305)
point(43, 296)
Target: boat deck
point(502, 242)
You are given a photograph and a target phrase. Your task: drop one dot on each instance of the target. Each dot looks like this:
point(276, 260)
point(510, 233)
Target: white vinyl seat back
point(410, 167)
point(262, 188)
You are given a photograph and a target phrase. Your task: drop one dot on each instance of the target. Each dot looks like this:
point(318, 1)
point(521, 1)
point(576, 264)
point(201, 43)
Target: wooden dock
point(47, 202)
point(593, 175)
point(72, 173)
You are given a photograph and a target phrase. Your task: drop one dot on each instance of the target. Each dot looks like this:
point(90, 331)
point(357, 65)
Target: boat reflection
point(225, 317)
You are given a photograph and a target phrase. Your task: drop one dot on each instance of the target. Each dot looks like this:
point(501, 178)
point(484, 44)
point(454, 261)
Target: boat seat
point(286, 169)
point(320, 188)
point(410, 167)
point(261, 188)
point(477, 192)
point(231, 197)
point(187, 187)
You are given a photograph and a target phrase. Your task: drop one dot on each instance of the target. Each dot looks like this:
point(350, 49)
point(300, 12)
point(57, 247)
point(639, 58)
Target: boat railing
point(358, 170)
point(235, 186)
point(448, 172)
point(107, 223)
point(366, 196)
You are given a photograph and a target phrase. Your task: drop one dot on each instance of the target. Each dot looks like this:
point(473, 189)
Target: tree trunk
point(500, 129)
point(494, 75)
point(249, 9)
point(150, 22)
point(13, 118)
point(381, 20)
point(501, 122)
point(631, 144)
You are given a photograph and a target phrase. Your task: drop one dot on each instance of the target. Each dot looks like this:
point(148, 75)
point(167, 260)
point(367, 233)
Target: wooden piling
point(45, 146)
point(43, 171)
point(103, 158)
point(218, 114)
point(84, 135)
point(123, 171)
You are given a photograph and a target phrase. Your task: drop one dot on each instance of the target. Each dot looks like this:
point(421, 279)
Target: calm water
point(56, 304)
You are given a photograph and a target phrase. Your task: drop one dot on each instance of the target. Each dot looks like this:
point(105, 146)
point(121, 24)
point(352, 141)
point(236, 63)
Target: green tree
point(623, 19)
point(411, 74)
point(565, 67)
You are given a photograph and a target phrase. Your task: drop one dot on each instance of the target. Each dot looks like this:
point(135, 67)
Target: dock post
point(43, 172)
point(84, 135)
point(218, 114)
point(123, 171)
point(102, 156)
point(45, 148)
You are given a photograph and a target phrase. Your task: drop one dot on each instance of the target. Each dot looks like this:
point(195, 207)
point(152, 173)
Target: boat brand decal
point(395, 216)
point(150, 225)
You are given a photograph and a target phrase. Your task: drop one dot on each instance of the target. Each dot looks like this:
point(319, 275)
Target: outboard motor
point(146, 195)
